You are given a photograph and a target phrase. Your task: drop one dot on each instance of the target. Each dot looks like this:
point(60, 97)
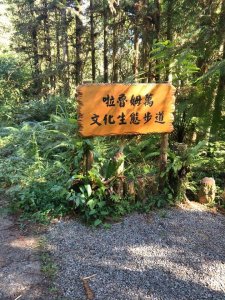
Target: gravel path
point(179, 254)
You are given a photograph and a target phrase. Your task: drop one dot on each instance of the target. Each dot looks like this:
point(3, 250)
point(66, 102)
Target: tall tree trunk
point(136, 50)
point(219, 100)
point(169, 14)
point(79, 31)
point(65, 51)
point(47, 43)
point(145, 53)
point(115, 67)
point(157, 21)
point(57, 42)
point(164, 136)
point(37, 72)
point(105, 54)
point(92, 41)
point(36, 60)
point(220, 95)
point(169, 35)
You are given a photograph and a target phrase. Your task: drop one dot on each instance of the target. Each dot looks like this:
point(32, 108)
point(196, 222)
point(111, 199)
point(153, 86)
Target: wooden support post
point(119, 161)
point(89, 160)
point(163, 158)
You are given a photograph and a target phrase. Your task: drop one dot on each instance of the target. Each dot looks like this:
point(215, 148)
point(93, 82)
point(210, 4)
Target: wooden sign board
point(121, 109)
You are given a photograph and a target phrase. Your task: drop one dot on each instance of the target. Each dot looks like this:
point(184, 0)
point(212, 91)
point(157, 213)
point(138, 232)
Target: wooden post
point(163, 158)
point(119, 161)
point(89, 160)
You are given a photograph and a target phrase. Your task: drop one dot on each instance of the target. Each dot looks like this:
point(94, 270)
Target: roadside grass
point(48, 266)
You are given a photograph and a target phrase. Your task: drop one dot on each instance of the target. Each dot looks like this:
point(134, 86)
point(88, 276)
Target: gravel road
point(170, 255)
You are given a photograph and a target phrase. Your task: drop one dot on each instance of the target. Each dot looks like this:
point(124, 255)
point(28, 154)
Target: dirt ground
point(20, 265)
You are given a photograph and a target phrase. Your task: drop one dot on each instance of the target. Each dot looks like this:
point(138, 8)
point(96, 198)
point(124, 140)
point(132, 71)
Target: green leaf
point(104, 213)
point(101, 204)
point(153, 154)
point(78, 201)
point(170, 196)
point(91, 203)
point(88, 189)
point(97, 222)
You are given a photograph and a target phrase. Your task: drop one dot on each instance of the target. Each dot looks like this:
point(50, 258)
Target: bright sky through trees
point(5, 27)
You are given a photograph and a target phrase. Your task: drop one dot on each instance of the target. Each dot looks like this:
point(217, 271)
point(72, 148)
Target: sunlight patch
point(24, 243)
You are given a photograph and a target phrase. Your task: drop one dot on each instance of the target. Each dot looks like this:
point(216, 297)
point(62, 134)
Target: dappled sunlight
point(173, 257)
point(194, 206)
point(20, 269)
point(23, 242)
point(180, 254)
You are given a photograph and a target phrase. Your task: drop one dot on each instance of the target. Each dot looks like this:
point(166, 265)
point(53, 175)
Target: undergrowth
point(42, 167)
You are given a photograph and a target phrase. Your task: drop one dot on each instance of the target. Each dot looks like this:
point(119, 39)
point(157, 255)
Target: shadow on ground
point(180, 256)
point(20, 268)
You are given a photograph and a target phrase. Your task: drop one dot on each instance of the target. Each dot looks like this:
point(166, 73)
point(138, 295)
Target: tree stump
point(140, 189)
point(118, 186)
point(151, 184)
point(118, 161)
point(207, 191)
point(130, 189)
point(145, 186)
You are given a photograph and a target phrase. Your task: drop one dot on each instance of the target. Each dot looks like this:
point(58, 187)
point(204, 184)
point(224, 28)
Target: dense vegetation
point(56, 45)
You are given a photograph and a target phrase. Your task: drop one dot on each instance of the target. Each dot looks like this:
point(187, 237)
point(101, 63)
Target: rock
point(207, 191)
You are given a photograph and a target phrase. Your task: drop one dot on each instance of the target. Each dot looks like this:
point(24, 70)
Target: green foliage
point(42, 168)
point(211, 163)
point(39, 162)
point(187, 166)
point(179, 62)
point(41, 109)
point(90, 199)
point(215, 69)
point(180, 162)
point(13, 84)
point(48, 267)
point(13, 78)
point(35, 165)
point(141, 155)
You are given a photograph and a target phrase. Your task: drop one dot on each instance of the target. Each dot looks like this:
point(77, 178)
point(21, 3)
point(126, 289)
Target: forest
point(50, 47)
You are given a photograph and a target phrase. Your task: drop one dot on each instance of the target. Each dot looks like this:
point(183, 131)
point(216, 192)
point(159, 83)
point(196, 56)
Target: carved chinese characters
point(120, 109)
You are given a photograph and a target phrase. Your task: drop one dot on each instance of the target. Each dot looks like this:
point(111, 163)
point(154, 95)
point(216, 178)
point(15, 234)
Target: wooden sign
point(121, 109)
